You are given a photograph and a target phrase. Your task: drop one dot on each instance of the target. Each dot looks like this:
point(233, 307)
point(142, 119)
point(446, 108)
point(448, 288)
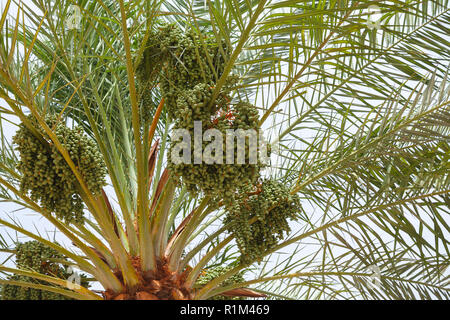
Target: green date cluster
point(37, 257)
point(214, 176)
point(187, 66)
point(211, 273)
point(258, 217)
point(46, 174)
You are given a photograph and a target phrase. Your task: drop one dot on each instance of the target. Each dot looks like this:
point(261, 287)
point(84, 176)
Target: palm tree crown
point(351, 99)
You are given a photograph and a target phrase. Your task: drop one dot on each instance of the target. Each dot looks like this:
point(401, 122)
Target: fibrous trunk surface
point(159, 284)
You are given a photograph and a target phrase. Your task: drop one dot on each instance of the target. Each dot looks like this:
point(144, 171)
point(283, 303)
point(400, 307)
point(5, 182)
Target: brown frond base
point(159, 284)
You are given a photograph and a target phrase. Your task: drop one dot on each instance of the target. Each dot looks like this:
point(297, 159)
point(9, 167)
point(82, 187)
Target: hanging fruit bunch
point(258, 217)
point(190, 67)
point(47, 176)
point(180, 60)
point(216, 175)
point(187, 67)
point(35, 256)
point(211, 273)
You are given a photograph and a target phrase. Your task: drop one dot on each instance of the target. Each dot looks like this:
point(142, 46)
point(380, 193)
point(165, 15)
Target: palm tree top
point(351, 97)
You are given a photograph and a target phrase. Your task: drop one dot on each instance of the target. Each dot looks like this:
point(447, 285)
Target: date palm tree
point(352, 95)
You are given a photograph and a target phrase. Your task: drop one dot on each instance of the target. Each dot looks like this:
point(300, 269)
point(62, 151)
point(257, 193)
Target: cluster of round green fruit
point(187, 66)
point(191, 61)
point(12, 292)
point(213, 272)
point(38, 257)
point(258, 217)
point(220, 174)
point(35, 256)
point(179, 61)
point(46, 174)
